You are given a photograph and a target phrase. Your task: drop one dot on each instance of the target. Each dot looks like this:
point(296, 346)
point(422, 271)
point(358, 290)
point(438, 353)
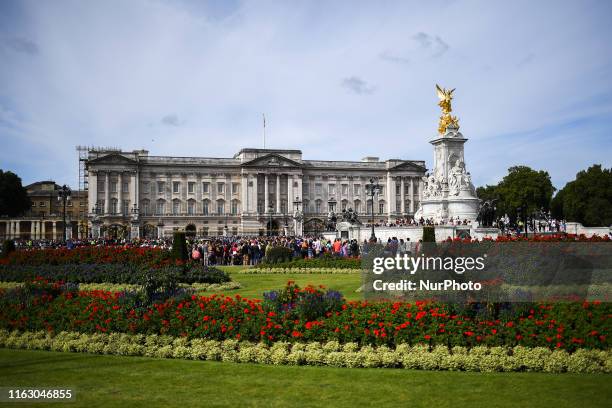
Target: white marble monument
point(448, 192)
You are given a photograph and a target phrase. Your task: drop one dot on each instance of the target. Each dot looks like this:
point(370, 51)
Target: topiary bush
point(8, 246)
point(429, 234)
point(179, 246)
point(278, 255)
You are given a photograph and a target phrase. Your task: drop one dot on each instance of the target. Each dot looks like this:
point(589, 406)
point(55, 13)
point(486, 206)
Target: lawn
point(254, 285)
point(144, 382)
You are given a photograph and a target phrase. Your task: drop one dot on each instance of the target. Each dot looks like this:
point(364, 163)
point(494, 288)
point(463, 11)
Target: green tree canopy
point(14, 198)
point(587, 199)
point(521, 187)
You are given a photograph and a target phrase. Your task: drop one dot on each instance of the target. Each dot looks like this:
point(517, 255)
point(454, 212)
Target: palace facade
point(258, 191)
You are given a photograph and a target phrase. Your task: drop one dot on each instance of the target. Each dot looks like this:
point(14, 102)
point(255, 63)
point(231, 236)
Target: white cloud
point(174, 77)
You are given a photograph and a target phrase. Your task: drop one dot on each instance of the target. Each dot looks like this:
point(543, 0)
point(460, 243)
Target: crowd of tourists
point(412, 222)
point(251, 251)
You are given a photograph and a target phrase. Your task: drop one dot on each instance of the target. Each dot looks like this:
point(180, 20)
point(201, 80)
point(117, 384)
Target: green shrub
point(429, 234)
point(277, 255)
point(179, 246)
point(8, 246)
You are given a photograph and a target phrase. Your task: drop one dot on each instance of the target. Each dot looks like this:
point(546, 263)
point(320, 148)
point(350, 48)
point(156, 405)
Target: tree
point(522, 187)
point(179, 246)
point(587, 199)
point(14, 200)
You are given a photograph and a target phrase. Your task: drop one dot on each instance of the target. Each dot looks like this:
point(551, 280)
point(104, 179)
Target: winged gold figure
point(446, 119)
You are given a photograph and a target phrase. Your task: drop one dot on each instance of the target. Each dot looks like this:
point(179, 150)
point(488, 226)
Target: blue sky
point(338, 80)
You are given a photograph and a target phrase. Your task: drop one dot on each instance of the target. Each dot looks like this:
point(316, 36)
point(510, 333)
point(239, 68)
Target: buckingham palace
point(256, 192)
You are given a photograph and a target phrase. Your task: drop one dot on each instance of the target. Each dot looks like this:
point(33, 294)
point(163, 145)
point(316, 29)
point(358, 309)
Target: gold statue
point(446, 119)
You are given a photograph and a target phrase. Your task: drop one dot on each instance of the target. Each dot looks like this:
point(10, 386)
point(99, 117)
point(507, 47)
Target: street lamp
point(63, 195)
point(373, 189)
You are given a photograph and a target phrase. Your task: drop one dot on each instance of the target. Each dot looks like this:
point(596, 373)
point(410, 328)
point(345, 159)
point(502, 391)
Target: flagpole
point(264, 130)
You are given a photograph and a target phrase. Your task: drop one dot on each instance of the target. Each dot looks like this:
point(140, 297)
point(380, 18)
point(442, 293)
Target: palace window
point(220, 188)
point(381, 207)
point(113, 208)
point(145, 187)
point(205, 187)
point(191, 187)
point(126, 208)
point(176, 207)
point(235, 188)
point(161, 186)
point(205, 207)
point(357, 206)
point(345, 189)
point(124, 187)
point(318, 206)
point(344, 205)
point(220, 207)
point(176, 186)
point(234, 207)
point(191, 207)
point(145, 207)
point(318, 188)
point(357, 189)
point(41, 204)
point(161, 207)
point(284, 206)
point(113, 187)
point(332, 189)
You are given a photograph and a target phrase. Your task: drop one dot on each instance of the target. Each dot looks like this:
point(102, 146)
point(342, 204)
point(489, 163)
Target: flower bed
point(154, 257)
point(325, 262)
point(111, 273)
point(484, 359)
point(122, 287)
point(273, 270)
point(309, 314)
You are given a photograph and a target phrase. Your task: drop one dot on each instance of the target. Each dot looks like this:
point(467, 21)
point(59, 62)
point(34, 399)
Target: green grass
point(254, 285)
point(108, 381)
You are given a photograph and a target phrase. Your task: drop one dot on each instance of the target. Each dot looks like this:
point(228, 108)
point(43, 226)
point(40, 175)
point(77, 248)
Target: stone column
point(278, 194)
point(11, 229)
point(17, 231)
point(120, 193)
point(411, 194)
point(289, 193)
point(92, 190)
point(54, 237)
point(420, 188)
point(266, 193)
point(106, 196)
point(32, 229)
point(43, 231)
point(390, 196)
point(244, 196)
point(133, 191)
point(403, 196)
point(255, 200)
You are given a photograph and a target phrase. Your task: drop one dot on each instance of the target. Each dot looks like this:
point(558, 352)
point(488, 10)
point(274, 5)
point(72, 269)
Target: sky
point(338, 80)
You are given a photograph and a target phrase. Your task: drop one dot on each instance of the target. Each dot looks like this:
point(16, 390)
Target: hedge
point(120, 287)
point(326, 261)
point(421, 357)
point(111, 273)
